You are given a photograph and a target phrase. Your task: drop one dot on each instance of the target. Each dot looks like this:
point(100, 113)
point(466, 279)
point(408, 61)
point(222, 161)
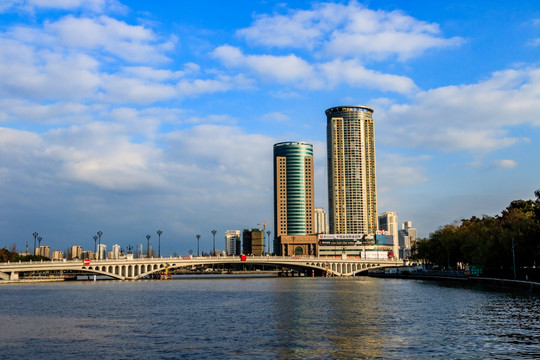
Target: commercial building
point(253, 242)
point(369, 247)
point(232, 242)
point(352, 182)
point(388, 222)
point(293, 189)
point(321, 221)
point(298, 245)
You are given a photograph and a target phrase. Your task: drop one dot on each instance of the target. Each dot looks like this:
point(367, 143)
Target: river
point(266, 318)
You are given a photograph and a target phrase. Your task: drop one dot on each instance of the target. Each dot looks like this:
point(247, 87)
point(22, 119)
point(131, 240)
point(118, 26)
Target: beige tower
point(352, 184)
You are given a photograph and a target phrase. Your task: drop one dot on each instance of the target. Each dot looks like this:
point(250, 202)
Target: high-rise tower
point(293, 189)
point(352, 184)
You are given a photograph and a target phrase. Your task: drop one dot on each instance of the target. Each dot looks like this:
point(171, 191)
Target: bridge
point(133, 269)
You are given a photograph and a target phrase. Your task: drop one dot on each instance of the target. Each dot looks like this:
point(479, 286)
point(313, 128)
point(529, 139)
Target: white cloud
point(291, 69)
point(132, 43)
point(132, 90)
point(95, 6)
point(475, 117)
point(55, 113)
point(338, 30)
point(354, 74)
point(506, 164)
point(207, 86)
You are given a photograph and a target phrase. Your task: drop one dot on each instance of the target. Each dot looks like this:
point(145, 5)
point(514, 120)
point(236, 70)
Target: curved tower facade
point(293, 188)
point(352, 184)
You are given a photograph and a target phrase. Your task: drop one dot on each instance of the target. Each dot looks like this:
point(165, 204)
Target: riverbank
point(456, 277)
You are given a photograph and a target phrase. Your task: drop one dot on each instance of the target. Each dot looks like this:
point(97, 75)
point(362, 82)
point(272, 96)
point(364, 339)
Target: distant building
point(388, 222)
point(102, 252)
point(75, 252)
point(139, 252)
point(293, 189)
point(321, 221)
point(115, 253)
point(352, 184)
point(87, 254)
point(407, 237)
point(44, 251)
point(58, 255)
point(253, 242)
point(232, 242)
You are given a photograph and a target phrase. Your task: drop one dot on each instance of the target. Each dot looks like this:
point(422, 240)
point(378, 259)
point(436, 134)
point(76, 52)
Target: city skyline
point(129, 118)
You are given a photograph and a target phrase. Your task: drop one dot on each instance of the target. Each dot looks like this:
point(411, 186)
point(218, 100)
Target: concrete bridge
point(133, 269)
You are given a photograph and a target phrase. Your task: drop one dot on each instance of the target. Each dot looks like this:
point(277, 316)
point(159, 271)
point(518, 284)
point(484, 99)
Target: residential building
point(58, 255)
point(44, 251)
point(321, 221)
point(115, 253)
point(75, 252)
point(352, 182)
point(102, 252)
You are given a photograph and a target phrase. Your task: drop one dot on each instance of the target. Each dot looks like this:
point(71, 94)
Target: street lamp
point(159, 232)
point(99, 233)
point(214, 242)
point(148, 246)
point(35, 235)
point(268, 246)
point(95, 245)
point(198, 237)
point(39, 241)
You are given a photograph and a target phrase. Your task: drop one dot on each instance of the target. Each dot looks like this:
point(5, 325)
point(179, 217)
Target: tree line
point(488, 241)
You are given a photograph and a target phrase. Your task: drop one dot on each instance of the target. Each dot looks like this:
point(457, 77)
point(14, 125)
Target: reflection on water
point(280, 318)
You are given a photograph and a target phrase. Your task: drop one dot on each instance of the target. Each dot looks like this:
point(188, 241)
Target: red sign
point(242, 257)
point(86, 261)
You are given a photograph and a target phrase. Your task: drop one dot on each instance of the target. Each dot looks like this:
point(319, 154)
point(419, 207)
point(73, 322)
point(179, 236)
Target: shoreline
point(530, 286)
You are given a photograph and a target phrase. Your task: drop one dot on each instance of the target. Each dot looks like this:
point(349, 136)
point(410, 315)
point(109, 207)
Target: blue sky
point(138, 116)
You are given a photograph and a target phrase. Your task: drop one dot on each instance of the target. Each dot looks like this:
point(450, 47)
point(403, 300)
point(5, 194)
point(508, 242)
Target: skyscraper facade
point(293, 189)
point(352, 183)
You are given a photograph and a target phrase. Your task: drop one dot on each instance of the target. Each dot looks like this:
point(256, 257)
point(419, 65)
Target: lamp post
point(148, 246)
point(268, 246)
point(39, 243)
point(95, 245)
point(35, 235)
point(198, 237)
point(159, 232)
point(214, 242)
point(99, 233)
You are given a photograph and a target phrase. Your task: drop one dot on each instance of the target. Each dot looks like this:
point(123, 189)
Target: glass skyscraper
point(352, 184)
point(293, 189)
